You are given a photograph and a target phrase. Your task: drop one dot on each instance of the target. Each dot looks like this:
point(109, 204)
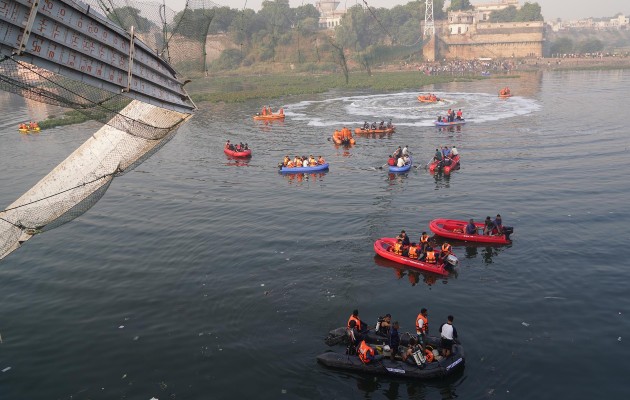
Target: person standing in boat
point(497, 228)
point(448, 333)
point(383, 325)
point(438, 155)
point(354, 336)
point(405, 150)
point(454, 151)
point(459, 114)
point(422, 326)
point(403, 236)
point(366, 125)
point(488, 225)
point(394, 339)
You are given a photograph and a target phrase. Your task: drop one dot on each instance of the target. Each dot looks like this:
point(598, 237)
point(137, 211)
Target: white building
point(329, 16)
point(462, 22)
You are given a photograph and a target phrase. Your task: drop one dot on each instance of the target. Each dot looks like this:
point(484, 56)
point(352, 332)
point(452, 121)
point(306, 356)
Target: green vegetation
point(528, 12)
point(240, 88)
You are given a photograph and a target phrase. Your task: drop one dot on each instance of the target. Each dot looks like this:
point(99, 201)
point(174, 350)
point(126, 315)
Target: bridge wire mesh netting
point(132, 130)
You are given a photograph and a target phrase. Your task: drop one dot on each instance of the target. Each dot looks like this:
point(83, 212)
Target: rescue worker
point(354, 336)
point(448, 333)
point(366, 353)
point(361, 327)
point(445, 251)
point(403, 236)
point(398, 247)
point(311, 161)
point(430, 255)
point(264, 110)
point(394, 340)
point(424, 242)
point(281, 111)
point(459, 115)
point(414, 251)
point(383, 325)
point(422, 326)
point(285, 160)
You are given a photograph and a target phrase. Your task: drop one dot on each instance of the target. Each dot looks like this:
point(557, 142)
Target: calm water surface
point(200, 277)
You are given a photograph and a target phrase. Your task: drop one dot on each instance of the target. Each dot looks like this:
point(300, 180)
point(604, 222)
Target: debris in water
point(153, 398)
point(136, 337)
point(121, 326)
point(525, 324)
point(262, 284)
point(8, 368)
point(284, 391)
point(124, 376)
point(619, 339)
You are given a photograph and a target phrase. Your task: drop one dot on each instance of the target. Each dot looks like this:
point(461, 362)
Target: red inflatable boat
point(433, 167)
point(382, 248)
point(455, 229)
point(238, 154)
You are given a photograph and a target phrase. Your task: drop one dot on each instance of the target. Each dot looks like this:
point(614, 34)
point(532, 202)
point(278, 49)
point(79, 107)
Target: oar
point(382, 166)
point(430, 161)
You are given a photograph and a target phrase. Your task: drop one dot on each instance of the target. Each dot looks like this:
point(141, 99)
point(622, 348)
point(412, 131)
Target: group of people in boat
point(423, 250)
point(417, 352)
point(444, 156)
point(429, 97)
point(266, 110)
point(344, 134)
point(381, 126)
point(236, 147)
point(490, 227)
point(302, 161)
point(451, 116)
point(31, 126)
point(400, 157)
point(505, 91)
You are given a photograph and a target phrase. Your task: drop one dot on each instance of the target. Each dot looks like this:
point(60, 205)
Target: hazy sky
point(551, 9)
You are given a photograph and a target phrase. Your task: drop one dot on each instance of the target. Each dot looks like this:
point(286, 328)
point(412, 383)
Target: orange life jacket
point(424, 238)
point(398, 248)
point(430, 257)
point(355, 319)
point(290, 164)
point(413, 252)
point(428, 355)
point(446, 248)
point(281, 112)
point(264, 111)
point(364, 350)
point(425, 324)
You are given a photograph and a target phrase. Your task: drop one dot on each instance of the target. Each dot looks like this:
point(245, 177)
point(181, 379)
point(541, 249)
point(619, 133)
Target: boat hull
point(368, 131)
point(403, 168)
point(455, 229)
point(316, 168)
point(382, 246)
point(268, 117)
point(454, 123)
point(238, 154)
point(433, 167)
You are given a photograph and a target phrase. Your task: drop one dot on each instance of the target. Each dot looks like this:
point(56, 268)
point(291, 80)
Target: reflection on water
point(487, 251)
point(237, 162)
point(302, 177)
point(452, 129)
point(413, 276)
point(442, 180)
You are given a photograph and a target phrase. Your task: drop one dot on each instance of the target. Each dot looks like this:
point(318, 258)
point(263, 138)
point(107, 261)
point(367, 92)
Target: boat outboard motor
point(419, 358)
point(451, 260)
point(507, 231)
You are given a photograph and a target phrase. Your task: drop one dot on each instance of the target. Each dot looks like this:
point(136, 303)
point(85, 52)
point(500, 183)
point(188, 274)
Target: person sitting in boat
point(488, 225)
point(311, 161)
point(227, 144)
point(429, 255)
point(281, 111)
point(366, 125)
point(398, 247)
point(446, 152)
point(23, 127)
point(414, 251)
point(381, 126)
point(366, 353)
point(397, 153)
point(290, 164)
point(373, 126)
point(454, 151)
point(246, 147)
point(304, 161)
point(264, 111)
point(320, 160)
point(471, 228)
point(391, 161)
point(497, 228)
point(445, 251)
point(459, 115)
point(401, 162)
point(412, 347)
point(405, 150)
point(297, 161)
point(360, 325)
point(286, 160)
point(444, 120)
point(439, 118)
point(389, 123)
point(406, 159)
point(424, 242)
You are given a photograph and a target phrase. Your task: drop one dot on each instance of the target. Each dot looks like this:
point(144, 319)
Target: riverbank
point(232, 88)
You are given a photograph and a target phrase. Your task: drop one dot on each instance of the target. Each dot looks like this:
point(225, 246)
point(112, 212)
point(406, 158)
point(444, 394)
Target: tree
point(590, 45)
point(459, 5)
point(507, 14)
point(127, 17)
point(563, 45)
point(529, 12)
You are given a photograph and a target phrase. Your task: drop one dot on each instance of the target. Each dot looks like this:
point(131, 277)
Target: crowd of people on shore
point(301, 161)
point(400, 157)
point(451, 116)
point(423, 250)
point(462, 67)
point(417, 352)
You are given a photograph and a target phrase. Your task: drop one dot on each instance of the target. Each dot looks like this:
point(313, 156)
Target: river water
point(200, 277)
